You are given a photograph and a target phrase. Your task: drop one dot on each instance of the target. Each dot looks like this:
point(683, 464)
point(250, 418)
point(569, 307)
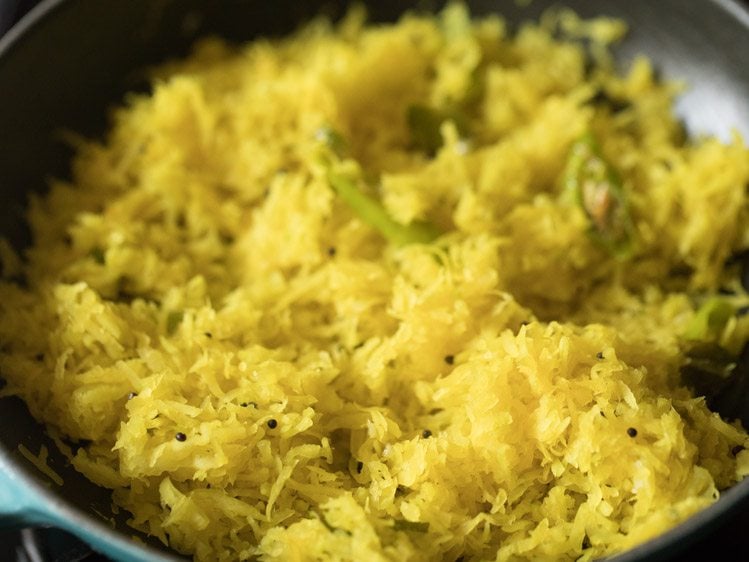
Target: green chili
point(710, 319)
point(597, 188)
point(373, 213)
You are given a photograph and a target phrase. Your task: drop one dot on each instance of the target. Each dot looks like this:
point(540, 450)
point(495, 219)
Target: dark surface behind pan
point(81, 56)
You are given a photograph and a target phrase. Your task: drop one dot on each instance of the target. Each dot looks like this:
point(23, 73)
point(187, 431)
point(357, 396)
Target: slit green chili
point(374, 214)
point(595, 185)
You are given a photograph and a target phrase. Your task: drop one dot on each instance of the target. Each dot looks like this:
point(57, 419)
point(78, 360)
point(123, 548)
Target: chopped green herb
point(374, 214)
point(411, 526)
point(710, 319)
point(596, 187)
point(173, 321)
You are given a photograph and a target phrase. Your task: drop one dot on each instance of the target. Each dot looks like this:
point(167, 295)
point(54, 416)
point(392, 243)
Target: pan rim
point(59, 512)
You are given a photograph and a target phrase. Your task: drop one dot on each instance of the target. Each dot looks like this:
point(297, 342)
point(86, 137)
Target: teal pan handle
point(25, 501)
point(18, 506)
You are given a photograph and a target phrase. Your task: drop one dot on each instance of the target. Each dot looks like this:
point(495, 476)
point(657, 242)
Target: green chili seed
point(596, 187)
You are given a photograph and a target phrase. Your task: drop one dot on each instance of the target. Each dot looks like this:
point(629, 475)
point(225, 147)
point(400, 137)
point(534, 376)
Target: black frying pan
point(69, 60)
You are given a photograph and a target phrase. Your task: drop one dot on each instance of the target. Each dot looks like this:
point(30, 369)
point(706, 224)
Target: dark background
point(728, 543)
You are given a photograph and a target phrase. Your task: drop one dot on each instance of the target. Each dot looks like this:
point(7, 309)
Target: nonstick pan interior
point(70, 60)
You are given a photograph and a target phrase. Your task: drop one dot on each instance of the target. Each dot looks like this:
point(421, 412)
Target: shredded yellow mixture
point(420, 291)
